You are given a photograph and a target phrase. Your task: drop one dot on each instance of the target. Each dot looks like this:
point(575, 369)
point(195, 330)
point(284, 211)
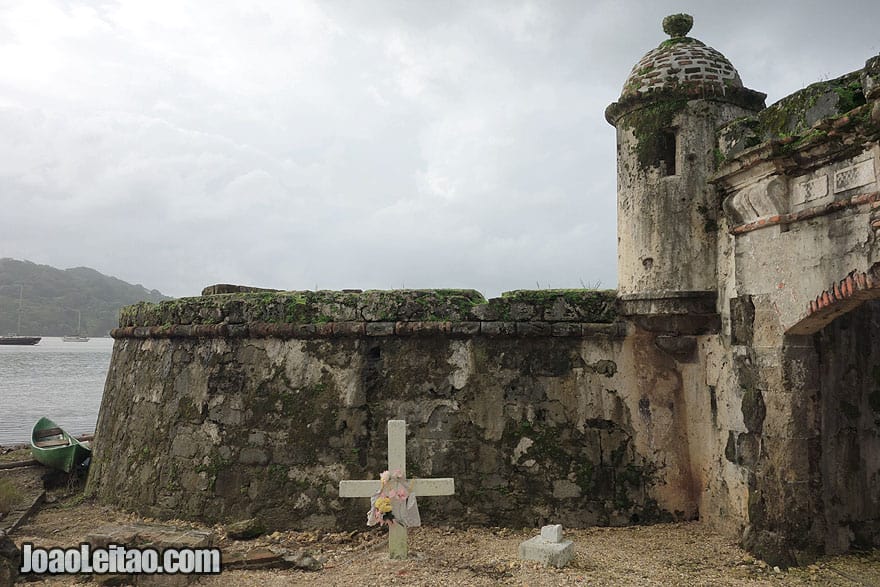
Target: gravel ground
point(664, 554)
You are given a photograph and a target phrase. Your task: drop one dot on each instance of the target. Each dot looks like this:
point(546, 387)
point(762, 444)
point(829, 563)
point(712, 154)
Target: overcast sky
point(361, 144)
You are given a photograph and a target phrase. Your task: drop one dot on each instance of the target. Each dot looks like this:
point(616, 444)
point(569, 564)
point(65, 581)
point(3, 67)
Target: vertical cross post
point(397, 543)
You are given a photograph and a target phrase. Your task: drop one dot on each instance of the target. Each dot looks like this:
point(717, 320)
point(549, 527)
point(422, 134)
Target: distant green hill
point(52, 297)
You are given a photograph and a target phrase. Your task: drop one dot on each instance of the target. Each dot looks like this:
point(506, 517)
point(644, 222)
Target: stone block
point(158, 536)
point(562, 489)
point(245, 529)
point(380, 328)
point(566, 329)
point(253, 456)
point(557, 554)
point(552, 533)
point(464, 328)
point(533, 328)
point(349, 328)
point(498, 328)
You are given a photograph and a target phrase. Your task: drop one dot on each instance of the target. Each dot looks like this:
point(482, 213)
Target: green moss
point(187, 411)
point(789, 116)
point(584, 476)
point(850, 96)
point(718, 156)
point(592, 305)
point(677, 41)
point(173, 479)
point(574, 295)
point(813, 135)
point(10, 496)
point(546, 448)
point(277, 473)
point(215, 464)
point(294, 308)
point(648, 125)
point(626, 479)
point(709, 223)
point(678, 25)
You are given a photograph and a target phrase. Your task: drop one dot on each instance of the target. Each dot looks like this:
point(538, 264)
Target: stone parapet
point(373, 329)
point(317, 314)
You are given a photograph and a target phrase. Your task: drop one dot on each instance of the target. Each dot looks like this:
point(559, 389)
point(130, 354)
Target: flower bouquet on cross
point(394, 503)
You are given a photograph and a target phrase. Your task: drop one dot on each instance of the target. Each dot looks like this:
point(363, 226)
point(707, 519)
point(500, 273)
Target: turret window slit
point(668, 149)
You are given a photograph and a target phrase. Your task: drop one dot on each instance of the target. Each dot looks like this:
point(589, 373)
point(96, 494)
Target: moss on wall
point(322, 307)
point(795, 114)
point(648, 125)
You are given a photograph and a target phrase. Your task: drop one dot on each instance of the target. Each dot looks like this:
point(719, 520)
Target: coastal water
point(61, 380)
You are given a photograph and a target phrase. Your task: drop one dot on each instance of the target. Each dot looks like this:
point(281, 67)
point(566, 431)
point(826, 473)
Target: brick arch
point(841, 297)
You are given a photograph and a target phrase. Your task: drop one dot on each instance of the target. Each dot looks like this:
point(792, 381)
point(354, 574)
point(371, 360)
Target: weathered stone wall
point(800, 189)
point(537, 403)
point(667, 211)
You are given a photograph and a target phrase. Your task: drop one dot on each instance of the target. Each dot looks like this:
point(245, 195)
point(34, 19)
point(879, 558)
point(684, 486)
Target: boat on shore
point(53, 447)
point(19, 340)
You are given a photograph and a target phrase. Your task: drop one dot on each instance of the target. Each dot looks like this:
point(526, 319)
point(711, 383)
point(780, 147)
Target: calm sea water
point(61, 380)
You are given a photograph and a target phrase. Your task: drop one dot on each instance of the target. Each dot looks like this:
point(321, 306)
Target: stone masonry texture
point(733, 376)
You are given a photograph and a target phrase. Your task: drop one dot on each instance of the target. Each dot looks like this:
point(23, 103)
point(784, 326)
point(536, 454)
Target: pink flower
point(401, 494)
point(384, 477)
point(397, 474)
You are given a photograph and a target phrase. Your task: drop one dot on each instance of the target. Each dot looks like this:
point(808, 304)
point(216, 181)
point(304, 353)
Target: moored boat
point(20, 340)
point(55, 448)
point(79, 336)
point(16, 339)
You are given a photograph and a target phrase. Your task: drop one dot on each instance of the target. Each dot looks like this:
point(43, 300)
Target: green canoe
point(55, 448)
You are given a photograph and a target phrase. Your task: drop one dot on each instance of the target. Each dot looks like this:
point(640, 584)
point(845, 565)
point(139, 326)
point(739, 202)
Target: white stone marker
point(548, 548)
point(397, 547)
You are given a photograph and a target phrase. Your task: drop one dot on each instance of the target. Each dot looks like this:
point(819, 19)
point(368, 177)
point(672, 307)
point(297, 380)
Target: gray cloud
point(350, 144)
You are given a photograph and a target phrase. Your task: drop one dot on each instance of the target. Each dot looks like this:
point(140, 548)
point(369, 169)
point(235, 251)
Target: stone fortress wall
point(733, 377)
point(542, 405)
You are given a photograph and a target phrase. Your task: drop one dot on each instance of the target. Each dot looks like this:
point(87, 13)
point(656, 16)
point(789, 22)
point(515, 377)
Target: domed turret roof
point(683, 66)
point(681, 62)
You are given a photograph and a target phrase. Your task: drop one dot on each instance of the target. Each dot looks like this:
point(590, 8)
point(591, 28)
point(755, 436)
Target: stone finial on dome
point(678, 25)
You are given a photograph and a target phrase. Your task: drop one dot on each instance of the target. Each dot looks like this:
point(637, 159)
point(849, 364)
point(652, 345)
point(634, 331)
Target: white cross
point(397, 460)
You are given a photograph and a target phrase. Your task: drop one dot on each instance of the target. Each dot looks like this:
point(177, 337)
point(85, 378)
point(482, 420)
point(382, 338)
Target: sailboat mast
point(20, 297)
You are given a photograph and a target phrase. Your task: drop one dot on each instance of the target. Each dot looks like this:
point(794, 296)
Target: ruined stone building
point(733, 377)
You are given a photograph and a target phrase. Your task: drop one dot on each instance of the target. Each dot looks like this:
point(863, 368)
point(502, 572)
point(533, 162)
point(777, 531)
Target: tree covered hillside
point(53, 296)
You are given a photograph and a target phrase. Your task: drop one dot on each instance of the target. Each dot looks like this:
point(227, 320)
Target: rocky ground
point(665, 554)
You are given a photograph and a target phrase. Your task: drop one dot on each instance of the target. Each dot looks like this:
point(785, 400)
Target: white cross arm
point(359, 488)
point(442, 486)
point(420, 487)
